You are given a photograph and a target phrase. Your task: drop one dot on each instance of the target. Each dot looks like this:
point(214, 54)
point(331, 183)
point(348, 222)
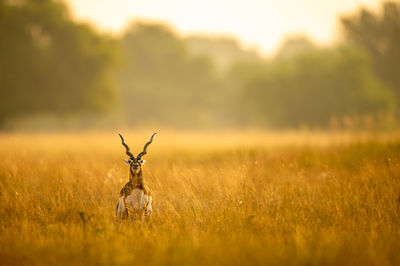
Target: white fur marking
point(121, 207)
point(137, 202)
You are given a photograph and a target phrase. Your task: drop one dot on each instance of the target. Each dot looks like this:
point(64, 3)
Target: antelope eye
point(140, 161)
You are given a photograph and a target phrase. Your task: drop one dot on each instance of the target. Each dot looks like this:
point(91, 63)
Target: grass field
point(249, 198)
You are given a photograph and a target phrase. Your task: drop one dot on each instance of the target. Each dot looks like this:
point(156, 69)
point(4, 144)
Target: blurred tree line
point(51, 64)
point(153, 76)
point(311, 87)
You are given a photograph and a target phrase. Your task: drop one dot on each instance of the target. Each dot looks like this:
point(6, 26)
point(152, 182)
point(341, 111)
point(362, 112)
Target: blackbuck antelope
point(135, 199)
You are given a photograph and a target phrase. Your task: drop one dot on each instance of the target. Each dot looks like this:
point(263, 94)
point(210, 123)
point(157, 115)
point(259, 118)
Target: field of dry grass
point(219, 199)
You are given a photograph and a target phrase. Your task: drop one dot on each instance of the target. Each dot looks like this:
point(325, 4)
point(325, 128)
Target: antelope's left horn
point(145, 147)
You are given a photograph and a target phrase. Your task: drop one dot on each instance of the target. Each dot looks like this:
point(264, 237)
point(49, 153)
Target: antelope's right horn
point(127, 148)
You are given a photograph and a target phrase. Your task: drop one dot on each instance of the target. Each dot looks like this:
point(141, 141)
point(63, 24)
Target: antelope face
point(135, 165)
point(136, 162)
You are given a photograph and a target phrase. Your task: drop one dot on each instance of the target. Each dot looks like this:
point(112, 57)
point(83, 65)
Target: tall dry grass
point(219, 199)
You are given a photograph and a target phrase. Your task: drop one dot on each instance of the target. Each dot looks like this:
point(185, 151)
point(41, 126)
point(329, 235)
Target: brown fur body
point(134, 199)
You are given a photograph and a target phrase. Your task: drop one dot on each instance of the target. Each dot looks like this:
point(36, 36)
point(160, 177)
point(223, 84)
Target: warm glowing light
point(258, 23)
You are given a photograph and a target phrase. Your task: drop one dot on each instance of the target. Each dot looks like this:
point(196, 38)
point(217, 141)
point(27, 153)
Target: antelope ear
point(143, 161)
point(127, 161)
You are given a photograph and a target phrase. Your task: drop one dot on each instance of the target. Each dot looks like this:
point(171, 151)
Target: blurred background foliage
point(50, 64)
point(53, 66)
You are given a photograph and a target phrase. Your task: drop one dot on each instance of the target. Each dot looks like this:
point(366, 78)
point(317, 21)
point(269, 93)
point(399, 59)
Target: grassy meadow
point(226, 198)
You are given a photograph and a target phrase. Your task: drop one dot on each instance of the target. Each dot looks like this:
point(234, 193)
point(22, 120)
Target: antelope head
point(136, 162)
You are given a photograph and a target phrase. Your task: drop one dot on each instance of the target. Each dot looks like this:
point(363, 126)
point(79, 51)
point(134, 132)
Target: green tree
point(311, 88)
point(294, 46)
point(379, 35)
point(161, 82)
point(49, 63)
point(224, 51)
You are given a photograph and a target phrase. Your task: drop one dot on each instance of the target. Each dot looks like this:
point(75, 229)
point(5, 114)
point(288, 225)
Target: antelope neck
point(136, 179)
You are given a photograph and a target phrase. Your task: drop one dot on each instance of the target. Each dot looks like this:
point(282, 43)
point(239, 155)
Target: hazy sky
point(258, 23)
